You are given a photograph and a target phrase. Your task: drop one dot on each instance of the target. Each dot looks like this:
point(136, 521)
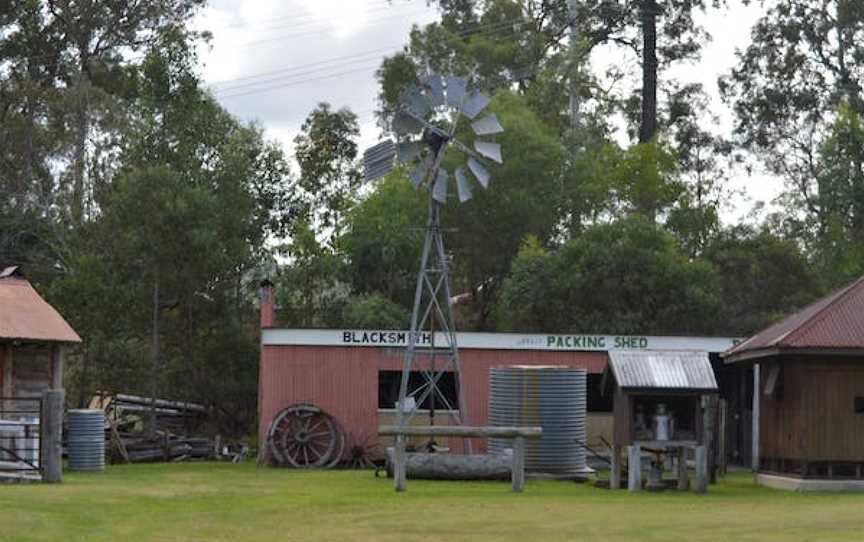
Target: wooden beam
point(8, 366)
point(518, 470)
point(57, 352)
point(615, 475)
point(701, 469)
point(51, 438)
point(399, 471)
point(460, 431)
point(634, 468)
point(683, 480)
point(755, 430)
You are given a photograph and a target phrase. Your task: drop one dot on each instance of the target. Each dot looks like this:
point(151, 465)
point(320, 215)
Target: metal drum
point(551, 397)
point(86, 442)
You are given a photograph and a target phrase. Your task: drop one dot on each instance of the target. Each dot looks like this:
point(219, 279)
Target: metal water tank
point(552, 397)
point(86, 440)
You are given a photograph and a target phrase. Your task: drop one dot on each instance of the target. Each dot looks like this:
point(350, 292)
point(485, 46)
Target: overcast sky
point(272, 61)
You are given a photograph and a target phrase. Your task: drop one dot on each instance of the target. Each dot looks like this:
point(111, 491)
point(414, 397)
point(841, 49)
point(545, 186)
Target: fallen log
point(444, 466)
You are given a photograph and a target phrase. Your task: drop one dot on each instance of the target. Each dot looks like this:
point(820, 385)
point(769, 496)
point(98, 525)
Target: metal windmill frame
point(432, 310)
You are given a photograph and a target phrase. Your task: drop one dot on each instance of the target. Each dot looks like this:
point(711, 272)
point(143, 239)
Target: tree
point(796, 92)
point(762, 278)
point(383, 239)
point(169, 260)
point(326, 151)
point(626, 277)
point(374, 312)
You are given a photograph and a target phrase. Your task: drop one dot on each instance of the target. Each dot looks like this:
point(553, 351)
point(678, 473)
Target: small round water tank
point(86, 442)
point(551, 397)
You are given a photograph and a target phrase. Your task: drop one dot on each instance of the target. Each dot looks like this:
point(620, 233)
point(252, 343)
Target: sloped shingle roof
point(833, 322)
point(661, 369)
point(24, 315)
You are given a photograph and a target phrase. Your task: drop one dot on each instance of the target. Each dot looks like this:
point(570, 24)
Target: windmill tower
point(425, 125)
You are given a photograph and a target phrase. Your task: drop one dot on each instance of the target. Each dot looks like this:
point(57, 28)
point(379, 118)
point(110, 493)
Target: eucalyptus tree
point(797, 95)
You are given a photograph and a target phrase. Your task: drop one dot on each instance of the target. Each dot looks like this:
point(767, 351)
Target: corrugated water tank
point(552, 397)
point(86, 440)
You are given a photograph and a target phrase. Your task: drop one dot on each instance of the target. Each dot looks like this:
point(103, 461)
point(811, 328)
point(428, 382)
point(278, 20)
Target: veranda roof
point(833, 323)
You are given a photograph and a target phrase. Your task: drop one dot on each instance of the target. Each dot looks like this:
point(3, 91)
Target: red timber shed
point(352, 374)
point(32, 338)
point(809, 408)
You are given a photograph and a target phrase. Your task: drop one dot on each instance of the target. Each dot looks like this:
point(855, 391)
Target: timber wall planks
point(344, 380)
point(811, 416)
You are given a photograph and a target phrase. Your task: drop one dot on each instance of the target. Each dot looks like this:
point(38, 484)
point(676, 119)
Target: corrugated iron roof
point(662, 369)
point(833, 322)
point(24, 315)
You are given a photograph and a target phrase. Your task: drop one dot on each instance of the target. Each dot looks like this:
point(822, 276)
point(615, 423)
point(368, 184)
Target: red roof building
point(809, 399)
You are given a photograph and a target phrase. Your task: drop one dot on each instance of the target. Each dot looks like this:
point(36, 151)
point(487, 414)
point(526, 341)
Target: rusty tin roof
point(24, 315)
point(835, 322)
point(662, 369)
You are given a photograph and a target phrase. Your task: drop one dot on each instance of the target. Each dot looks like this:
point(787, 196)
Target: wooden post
point(701, 469)
point(399, 464)
point(57, 367)
point(615, 475)
point(51, 438)
point(756, 393)
point(634, 467)
point(518, 473)
point(722, 444)
point(683, 480)
point(8, 364)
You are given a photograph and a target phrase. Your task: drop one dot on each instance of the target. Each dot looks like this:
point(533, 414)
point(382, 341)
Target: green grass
point(224, 502)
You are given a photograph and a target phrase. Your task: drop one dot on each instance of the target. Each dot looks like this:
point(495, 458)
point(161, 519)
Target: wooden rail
point(518, 434)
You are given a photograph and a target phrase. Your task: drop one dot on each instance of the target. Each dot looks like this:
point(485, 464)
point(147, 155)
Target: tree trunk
point(445, 466)
point(648, 126)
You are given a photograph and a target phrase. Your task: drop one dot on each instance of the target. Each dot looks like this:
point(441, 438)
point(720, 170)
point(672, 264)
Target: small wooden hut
point(32, 339)
point(809, 404)
point(657, 406)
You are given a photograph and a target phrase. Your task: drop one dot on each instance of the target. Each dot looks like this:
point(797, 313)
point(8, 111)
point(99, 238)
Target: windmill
point(425, 124)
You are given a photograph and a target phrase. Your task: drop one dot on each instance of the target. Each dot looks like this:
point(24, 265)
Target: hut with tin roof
point(809, 395)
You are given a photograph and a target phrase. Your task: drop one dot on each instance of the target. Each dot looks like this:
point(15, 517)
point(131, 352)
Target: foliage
point(383, 240)
point(310, 289)
point(626, 277)
point(797, 96)
point(762, 278)
point(326, 151)
point(374, 312)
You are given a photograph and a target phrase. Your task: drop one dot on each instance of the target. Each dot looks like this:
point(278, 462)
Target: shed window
point(388, 389)
point(859, 405)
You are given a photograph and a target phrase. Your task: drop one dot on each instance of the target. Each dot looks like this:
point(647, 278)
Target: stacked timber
point(177, 435)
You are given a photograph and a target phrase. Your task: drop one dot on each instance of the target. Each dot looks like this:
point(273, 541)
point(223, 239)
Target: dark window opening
point(388, 390)
point(859, 405)
point(597, 401)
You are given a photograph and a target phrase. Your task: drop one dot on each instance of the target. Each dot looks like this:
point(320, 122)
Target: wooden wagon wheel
point(304, 436)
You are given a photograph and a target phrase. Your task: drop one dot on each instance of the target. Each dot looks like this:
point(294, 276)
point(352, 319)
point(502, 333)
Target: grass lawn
point(218, 501)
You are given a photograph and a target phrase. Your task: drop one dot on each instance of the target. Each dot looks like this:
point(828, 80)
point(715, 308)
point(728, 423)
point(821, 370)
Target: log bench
point(518, 434)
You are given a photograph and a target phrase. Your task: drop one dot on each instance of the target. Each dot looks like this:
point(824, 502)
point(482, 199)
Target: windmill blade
point(480, 173)
point(415, 101)
point(491, 151)
point(405, 124)
point(455, 90)
point(439, 191)
point(488, 125)
point(419, 174)
point(463, 186)
point(408, 151)
point(378, 160)
point(474, 104)
point(436, 89)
